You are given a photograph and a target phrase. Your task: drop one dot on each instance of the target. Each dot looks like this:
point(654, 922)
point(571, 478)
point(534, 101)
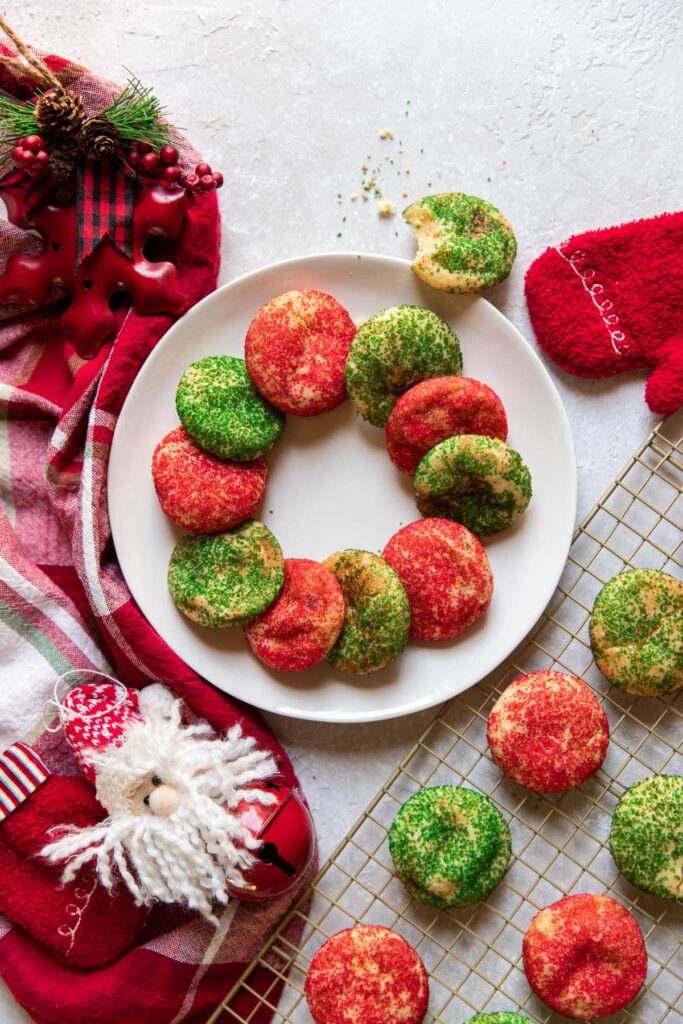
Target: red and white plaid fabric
point(64, 604)
point(21, 772)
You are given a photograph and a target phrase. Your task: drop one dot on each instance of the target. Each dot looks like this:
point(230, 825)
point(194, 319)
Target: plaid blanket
point(64, 604)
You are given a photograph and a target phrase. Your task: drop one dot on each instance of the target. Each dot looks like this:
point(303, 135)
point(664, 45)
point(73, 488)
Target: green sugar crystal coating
point(478, 481)
point(502, 1017)
point(377, 618)
point(222, 411)
point(450, 845)
point(394, 350)
point(636, 632)
point(226, 579)
point(467, 243)
point(646, 840)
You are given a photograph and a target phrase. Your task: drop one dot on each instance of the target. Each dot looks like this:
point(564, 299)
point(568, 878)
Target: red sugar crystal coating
point(584, 956)
point(303, 622)
point(439, 408)
point(367, 975)
point(548, 731)
point(296, 349)
point(202, 493)
point(446, 575)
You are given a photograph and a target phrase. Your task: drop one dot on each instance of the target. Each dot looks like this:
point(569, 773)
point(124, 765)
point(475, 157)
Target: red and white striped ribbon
point(21, 772)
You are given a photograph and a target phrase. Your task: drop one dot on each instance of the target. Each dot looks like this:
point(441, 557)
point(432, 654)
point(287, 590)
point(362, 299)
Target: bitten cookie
point(393, 351)
point(304, 621)
point(548, 731)
point(450, 845)
point(222, 411)
point(377, 618)
point(200, 492)
point(227, 578)
point(439, 408)
point(296, 349)
point(584, 956)
point(464, 243)
point(367, 975)
point(446, 575)
point(636, 632)
point(646, 840)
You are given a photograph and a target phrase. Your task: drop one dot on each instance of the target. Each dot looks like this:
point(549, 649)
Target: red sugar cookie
point(296, 349)
point(303, 622)
point(367, 975)
point(548, 731)
point(446, 575)
point(584, 956)
point(439, 408)
point(201, 492)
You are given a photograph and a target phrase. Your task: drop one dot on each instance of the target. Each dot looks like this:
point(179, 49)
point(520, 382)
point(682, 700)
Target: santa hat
point(608, 301)
point(96, 715)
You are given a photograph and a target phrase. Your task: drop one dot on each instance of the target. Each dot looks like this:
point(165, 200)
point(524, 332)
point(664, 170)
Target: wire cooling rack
point(473, 955)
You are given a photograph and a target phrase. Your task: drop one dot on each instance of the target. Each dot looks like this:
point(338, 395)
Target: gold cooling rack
point(559, 842)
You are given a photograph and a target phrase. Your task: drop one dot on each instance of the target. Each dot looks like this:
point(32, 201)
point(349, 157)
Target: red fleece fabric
point(604, 302)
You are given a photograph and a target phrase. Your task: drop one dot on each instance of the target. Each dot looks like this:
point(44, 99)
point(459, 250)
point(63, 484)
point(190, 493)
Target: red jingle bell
point(285, 829)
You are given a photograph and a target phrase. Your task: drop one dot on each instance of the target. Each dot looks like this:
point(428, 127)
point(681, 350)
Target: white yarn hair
point(190, 855)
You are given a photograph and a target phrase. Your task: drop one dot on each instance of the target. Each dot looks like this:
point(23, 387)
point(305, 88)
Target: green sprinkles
point(504, 1017)
point(478, 481)
point(222, 411)
point(394, 350)
point(646, 840)
point(465, 243)
point(451, 846)
point(636, 632)
point(377, 617)
point(226, 579)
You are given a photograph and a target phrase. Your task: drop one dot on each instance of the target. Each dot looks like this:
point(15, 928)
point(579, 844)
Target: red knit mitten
point(81, 923)
point(612, 300)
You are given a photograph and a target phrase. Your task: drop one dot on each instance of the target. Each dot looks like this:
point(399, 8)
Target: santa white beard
point(190, 855)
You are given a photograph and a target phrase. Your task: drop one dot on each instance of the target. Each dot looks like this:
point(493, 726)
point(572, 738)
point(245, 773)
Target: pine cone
point(99, 138)
point(63, 161)
point(60, 115)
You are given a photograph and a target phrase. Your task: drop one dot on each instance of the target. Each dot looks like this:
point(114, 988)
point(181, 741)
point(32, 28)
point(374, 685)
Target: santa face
point(154, 796)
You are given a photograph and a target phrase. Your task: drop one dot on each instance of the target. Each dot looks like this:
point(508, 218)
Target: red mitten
point(82, 924)
point(611, 300)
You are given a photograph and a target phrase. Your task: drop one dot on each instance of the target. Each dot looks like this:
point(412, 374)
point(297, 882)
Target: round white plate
point(332, 486)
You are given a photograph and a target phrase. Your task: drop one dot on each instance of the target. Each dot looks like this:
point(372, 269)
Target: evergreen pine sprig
point(138, 116)
point(17, 119)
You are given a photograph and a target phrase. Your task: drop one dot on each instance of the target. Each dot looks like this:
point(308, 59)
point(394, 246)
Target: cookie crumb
point(404, 194)
point(385, 208)
point(364, 167)
point(368, 183)
point(353, 197)
point(386, 133)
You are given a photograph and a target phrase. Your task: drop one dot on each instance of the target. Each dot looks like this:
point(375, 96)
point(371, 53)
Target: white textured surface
point(564, 114)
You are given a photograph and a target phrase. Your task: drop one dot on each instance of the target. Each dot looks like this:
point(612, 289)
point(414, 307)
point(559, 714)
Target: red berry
point(202, 169)
point(41, 159)
point(191, 182)
point(27, 156)
point(207, 182)
point(168, 155)
point(17, 155)
point(33, 142)
point(134, 157)
point(218, 178)
point(171, 173)
point(149, 162)
point(145, 147)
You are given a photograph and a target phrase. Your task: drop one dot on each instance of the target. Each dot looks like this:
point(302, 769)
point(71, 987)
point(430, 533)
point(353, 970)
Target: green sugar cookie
point(377, 617)
point(222, 411)
point(464, 243)
point(394, 350)
point(450, 845)
point(478, 481)
point(636, 632)
point(501, 1017)
point(646, 840)
point(226, 579)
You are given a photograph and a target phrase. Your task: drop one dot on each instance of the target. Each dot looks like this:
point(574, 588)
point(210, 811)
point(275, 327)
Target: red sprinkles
point(548, 731)
point(446, 575)
point(202, 493)
point(304, 621)
point(584, 956)
point(367, 975)
point(440, 408)
point(296, 349)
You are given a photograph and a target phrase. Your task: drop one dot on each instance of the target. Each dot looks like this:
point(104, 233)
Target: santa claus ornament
point(193, 818)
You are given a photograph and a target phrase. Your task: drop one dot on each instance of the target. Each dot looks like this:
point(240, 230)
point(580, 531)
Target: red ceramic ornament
point(285, 829)
point(49, 275)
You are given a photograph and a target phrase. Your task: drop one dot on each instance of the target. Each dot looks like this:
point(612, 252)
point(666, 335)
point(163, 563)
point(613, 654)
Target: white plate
point(332, 486)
